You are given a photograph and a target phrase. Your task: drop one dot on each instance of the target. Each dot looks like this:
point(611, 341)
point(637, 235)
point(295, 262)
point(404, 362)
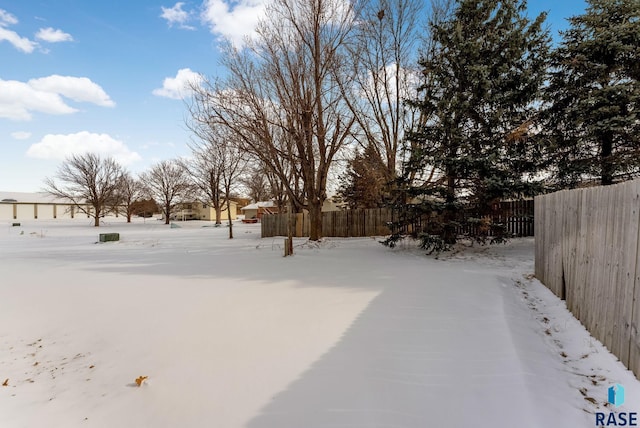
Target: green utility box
point(107, 237)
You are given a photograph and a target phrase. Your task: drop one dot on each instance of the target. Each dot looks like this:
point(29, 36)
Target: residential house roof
point(36, 197)
point(257, 205)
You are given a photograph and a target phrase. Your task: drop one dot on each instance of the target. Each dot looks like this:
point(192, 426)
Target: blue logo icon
point(616, 395)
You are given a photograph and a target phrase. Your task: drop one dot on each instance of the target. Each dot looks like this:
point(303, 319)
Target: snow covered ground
point(347, 333)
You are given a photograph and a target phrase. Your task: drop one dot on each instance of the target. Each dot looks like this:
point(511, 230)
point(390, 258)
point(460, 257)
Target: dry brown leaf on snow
point(6, 382)
point(141, 379)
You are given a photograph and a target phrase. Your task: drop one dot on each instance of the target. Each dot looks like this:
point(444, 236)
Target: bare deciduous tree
point(168, 183)
point(222, 163)
point(218, 161)
point(90, 182)
point(282, 101)
point(205, 166)
point(145, 207)
point(130, 192)
point(383, 74)
point(205, 170)
point(234, 163)
point(256, 183)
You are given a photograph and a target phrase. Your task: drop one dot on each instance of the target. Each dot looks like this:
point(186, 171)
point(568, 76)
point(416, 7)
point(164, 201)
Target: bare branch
point(281, 101)
point(90, 182)
point(168, 183)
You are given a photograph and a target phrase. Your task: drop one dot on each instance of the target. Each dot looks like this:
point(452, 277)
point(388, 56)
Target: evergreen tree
point(365, 181)
point(482, 78)
point(594, 96)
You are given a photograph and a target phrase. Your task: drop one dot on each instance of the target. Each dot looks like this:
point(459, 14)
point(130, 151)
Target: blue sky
point(104, 76)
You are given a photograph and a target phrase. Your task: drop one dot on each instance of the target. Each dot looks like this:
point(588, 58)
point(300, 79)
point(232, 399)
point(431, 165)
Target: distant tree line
point(99, 186)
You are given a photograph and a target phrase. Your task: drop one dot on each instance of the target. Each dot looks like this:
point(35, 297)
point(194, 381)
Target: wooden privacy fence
point(347, 223)
point(587, 253)
point(517, 216)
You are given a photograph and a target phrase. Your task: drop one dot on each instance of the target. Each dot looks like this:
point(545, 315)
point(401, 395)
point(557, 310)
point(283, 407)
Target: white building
point(41, 206)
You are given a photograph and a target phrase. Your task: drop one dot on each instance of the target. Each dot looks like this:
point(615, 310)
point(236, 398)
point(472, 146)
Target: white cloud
point(19, 99)
point(178, 87)
point(409, 81)
point(61, 146)
point(21, 135)
point(7, 19)
point(175, 15)
point(79, 89)
point(21, 43)
point(233, 20)
point(52, 35)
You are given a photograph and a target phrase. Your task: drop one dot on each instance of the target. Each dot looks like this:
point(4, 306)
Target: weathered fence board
point(587, 253)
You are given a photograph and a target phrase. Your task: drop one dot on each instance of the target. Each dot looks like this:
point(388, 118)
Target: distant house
point(38, 206)
point(258, 209)
point(203, 211)
point(331, 204)
point(242, 202)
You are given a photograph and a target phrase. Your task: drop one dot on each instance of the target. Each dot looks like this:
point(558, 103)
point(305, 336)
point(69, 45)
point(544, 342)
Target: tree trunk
point(229, 215)
point(606, 177)
point(219, 214)
point(449, 232)
point(96, 217)
point(167, 213)
point(291, 225)
point(315, 221)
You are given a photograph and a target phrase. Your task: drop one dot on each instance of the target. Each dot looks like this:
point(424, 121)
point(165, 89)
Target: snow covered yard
point(346, 333)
